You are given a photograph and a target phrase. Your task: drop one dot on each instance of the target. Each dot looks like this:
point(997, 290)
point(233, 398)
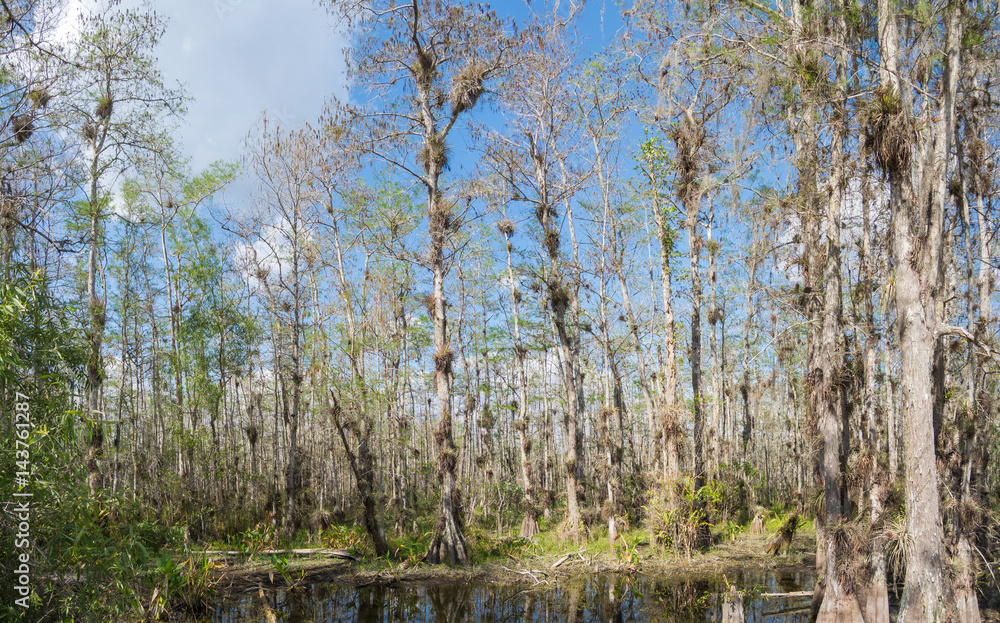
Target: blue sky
point(239, 57)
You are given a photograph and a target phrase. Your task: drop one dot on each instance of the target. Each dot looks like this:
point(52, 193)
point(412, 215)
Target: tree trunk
point(714, 315)
point(917, 241)
point(669, 423)
point(448, 543)
point(529, 522)
point(694, 249)
point(688, 139)
point(95, 339)
point(840, 603)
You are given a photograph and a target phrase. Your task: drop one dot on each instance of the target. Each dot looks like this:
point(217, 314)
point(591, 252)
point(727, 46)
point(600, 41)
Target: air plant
point(467, 87)
point(23, 126)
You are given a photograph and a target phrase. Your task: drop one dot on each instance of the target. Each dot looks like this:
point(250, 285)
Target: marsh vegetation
point(544, 286)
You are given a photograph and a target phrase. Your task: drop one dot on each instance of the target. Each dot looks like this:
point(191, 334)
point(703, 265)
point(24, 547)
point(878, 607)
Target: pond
point(603, 597)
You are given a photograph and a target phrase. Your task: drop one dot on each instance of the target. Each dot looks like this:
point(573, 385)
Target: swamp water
point(603, 597)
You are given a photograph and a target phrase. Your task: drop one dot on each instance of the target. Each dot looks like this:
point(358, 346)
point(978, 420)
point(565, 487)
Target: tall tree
point(915, 159)
point(530, 158)
point(283, 239)
point(119, 116)
point(433, 60)
point(344, 203)
point(654, 164)
point(529, 523)
point(826, 367)
point(164, 192)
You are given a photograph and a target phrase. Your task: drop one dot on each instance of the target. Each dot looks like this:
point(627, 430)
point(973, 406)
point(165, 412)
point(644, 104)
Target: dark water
point(605, 597)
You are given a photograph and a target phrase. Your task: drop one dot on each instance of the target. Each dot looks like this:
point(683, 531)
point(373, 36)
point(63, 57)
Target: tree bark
point(840, 602)
point(917, 240)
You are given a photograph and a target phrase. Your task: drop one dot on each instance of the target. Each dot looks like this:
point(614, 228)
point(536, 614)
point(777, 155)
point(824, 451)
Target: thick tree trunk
point(557, 296)
point(827, 399)
point(917, 240)
point(449, 542)
point(924, 594)
point(840, 603)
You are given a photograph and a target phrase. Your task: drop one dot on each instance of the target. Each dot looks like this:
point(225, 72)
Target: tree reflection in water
point(602, 598)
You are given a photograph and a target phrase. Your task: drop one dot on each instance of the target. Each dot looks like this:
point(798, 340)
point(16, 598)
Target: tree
point(119, 115)
point(827, 361)
point(917, 199)
point(39, 171)
point(285, 245)
point(531, 158)
point(691, 100)
point(432, 60)
point(344, 203)
point(529, 524)
point(166, 194)
point(654, 165)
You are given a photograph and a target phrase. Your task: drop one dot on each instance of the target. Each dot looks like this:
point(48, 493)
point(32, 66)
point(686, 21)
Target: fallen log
point(321, 551)
point(788, 612)
point(561, 560)
point(792, 594)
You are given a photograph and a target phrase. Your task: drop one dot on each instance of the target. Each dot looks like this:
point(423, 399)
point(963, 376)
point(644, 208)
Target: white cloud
point(238, 57)
point(269, 255)
point(68, 28)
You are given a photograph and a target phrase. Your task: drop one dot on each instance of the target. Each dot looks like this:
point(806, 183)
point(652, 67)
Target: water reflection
point(602, 598)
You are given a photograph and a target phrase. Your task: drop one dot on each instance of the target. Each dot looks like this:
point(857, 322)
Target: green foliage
point(898, 544)
point(293, 581)
point(627, 554)
point(186, 586)
point(778, 517)
point(655, 166)
point(681, 528)
point(79, 547)
point(728, 530)
point(261, 536)
point(351, 538)
point(487, 545)
point(740, 484)
point(409, 550)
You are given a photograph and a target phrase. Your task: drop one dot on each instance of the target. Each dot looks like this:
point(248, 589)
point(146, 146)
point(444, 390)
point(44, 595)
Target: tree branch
point(944, 330)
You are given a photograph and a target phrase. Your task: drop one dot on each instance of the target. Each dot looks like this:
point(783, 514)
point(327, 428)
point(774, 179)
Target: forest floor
point(744, 552)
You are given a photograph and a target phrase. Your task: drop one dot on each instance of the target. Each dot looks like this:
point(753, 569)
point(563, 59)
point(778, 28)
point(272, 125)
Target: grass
point(495, 558)
point(498, 559)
